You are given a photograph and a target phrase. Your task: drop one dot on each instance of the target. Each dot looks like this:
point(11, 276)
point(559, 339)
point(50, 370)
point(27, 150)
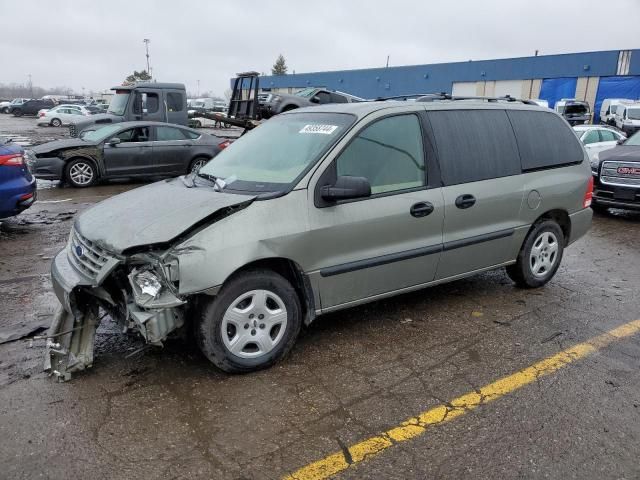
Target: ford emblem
point(79, 251)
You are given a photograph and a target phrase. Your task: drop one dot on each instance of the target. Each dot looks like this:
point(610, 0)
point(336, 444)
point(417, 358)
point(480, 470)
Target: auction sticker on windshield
point(323, 129)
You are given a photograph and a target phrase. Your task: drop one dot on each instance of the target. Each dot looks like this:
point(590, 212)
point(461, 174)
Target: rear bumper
point(16, 196)
point(48, 168)
point(580, 224)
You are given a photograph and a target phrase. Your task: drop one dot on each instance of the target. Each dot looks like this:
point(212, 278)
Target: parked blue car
point(17, 185)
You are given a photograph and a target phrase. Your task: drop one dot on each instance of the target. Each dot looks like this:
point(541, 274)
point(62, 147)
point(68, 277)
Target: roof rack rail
point(445, 96)
point(432, 97)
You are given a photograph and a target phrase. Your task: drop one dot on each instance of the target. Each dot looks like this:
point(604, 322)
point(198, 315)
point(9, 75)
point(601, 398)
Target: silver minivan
point(318, 210)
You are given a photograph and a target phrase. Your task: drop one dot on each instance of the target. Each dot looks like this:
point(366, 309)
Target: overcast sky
point(96, 44)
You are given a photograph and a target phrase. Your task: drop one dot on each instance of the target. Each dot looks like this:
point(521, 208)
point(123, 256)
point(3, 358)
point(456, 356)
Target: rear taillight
point(41, 114)
point(588, 195)
point(224, 144)
point(13, 160)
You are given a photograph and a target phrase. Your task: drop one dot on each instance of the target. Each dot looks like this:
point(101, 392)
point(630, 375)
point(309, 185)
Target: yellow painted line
point(418, 425)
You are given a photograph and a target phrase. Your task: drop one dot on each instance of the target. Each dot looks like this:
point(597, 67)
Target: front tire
point(252, 324)
point(81, 173)
point(539, 257)
point(17, 113)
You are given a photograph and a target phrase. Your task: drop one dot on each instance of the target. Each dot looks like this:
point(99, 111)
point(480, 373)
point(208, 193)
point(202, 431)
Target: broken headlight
point(148, 283)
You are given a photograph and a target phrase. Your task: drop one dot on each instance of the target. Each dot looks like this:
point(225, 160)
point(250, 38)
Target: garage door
point(508, 87)
point(554, 89)
point(616, 87)
point(464, 89)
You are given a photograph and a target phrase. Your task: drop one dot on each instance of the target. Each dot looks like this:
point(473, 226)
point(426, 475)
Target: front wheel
point(539, 257)
point(81, 173)
point(17, 113)
point(251, 324)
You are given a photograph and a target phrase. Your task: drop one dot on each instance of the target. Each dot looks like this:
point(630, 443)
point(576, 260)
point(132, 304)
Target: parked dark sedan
point(616, 175)
point(124, 150)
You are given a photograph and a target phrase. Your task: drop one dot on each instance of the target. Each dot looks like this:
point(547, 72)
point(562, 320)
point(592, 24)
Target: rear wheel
point(56, 122)
point(81, 173)
point(539, 257)
point(197, 164)
point(251, 324)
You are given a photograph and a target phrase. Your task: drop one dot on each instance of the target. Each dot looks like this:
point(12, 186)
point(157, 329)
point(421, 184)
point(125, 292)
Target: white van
point(607, 109)
point(627, 118)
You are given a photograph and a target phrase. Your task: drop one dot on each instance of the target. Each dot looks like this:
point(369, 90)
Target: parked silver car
point(318, 210)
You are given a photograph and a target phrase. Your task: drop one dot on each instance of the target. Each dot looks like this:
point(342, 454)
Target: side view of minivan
point(318, 210)
point(608, 110)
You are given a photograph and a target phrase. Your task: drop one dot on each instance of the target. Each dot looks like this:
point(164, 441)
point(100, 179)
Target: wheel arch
point(561, 217)
point(291, 271)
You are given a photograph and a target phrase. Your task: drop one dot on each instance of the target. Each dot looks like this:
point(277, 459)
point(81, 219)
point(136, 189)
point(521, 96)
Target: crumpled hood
point(623, 153)
point(156, 213)
point(60, 144)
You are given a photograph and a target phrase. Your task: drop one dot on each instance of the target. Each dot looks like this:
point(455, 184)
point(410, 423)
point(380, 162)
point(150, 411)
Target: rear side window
point(174, 102)
point(544, 140)
point(164, 134)
point(474, 145)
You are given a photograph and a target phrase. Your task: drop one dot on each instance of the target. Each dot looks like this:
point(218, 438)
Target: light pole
point(146, 45)
point(30, 85)
point(198, 89)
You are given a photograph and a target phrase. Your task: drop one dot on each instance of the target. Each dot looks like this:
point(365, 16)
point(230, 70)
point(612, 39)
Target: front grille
point(611, 176)
point(72, 131)
point(86, 256)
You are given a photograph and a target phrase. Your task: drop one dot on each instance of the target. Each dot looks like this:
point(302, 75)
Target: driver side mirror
point(315, 99)
point(346, 187)
point(621, 141)
point(114, 141)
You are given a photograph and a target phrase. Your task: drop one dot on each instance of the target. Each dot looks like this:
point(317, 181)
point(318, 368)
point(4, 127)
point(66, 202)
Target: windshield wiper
point(218, 182)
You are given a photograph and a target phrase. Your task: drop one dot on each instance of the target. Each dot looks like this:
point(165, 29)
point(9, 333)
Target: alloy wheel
point(81, 173)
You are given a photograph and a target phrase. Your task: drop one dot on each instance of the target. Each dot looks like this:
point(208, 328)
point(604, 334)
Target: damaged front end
point(139, 292)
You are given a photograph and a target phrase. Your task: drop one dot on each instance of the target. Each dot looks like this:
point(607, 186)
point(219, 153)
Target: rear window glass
point(544, 140)
point(474, 145)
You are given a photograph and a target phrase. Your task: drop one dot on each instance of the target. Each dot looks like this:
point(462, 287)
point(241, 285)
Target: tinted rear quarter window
point(544, 140)
point(474, 145)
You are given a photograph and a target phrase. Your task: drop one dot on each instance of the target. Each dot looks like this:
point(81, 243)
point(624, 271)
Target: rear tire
point(197, 163)
point(81, 173)
point(252, 324)
point(56, 122)
point(539, 257)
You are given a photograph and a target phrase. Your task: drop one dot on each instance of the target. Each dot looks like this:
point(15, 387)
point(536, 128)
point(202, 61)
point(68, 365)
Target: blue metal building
point(590, 76)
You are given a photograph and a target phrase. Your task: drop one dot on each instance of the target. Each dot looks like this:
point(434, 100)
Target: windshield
point(118, 103)
point(634, 140)
point(307, 92)
point(274, 155)
point(576, 109)
point(633, 113)
point(101, 133)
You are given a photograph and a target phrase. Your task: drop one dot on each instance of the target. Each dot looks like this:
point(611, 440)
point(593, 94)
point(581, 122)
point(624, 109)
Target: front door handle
point(465, 201)
point(421, 209)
